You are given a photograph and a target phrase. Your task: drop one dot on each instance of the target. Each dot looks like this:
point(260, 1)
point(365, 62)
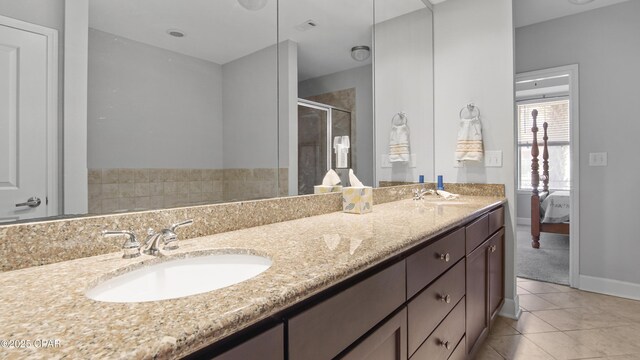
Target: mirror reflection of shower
point(324, 142)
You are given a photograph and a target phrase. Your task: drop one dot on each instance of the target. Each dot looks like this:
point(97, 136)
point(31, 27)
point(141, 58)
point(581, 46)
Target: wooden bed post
point(545, 158)
point(535, 182)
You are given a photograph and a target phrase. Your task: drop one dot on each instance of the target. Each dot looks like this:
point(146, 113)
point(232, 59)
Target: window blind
point(555, 113)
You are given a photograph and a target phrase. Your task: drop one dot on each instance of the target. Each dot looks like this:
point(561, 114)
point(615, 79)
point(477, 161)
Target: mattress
point(555, 207)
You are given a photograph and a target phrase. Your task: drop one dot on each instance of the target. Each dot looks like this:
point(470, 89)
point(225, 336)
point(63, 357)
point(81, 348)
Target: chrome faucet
point(131, 246)
point(419, 194)
point(168, 236)
point(150, 246)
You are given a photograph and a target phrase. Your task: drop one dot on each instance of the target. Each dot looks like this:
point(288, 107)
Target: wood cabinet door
point(477, 295)
point(389, 342)
point(496, 272)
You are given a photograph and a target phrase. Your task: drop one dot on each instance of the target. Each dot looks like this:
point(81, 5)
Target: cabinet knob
point(445, 298)
point(445, 344)
point(493, 248)
point(445, 257)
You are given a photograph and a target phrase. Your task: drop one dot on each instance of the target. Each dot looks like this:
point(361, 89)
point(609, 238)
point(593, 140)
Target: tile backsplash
point(124, 190)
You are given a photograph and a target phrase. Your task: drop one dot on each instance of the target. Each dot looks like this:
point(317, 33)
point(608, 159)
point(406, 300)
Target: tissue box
point(357, 200)
point(321, 189)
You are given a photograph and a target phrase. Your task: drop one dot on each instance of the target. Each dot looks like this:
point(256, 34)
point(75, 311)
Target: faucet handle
point(130, 247)
point(170, 236)
point(176, 226)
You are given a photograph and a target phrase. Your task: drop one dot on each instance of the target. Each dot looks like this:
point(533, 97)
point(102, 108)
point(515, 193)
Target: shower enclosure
point(318, 126)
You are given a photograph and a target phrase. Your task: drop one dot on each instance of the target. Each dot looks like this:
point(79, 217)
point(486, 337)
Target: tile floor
point(558, 322)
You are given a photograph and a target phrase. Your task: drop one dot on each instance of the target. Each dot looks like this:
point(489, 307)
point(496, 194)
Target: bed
point(549, 210)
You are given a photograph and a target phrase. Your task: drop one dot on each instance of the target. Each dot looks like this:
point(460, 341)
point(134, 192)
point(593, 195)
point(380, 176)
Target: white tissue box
point(323, 189)
point(357, 200)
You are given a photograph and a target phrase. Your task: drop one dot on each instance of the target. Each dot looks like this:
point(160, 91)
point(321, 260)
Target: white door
point(23, 124)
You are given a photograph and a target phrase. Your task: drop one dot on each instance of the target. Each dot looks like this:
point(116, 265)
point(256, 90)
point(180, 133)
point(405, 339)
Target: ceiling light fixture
point(176, 33)
point(253, 5)
point(360, 53)
point(580, 2)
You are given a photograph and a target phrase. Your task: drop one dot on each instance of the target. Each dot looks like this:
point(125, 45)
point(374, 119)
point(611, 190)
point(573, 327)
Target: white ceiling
point(528, 12)
point(221, 31)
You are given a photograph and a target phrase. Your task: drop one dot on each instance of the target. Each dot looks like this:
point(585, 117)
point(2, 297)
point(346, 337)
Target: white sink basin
point(179, 278)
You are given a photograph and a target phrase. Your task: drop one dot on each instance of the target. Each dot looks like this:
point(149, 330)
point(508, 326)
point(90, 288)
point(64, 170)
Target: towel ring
point(402, 116)
point(471, 109)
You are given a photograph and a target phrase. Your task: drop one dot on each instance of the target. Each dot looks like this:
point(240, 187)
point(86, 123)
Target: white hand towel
point(447, 195)
point(399, 139)
point(469, 147)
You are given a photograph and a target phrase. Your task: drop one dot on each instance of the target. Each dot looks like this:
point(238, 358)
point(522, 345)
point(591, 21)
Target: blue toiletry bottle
point(440, 183)
point(421, 179)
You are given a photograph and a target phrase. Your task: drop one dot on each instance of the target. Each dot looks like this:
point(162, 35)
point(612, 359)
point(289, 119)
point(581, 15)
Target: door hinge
point(46, 200)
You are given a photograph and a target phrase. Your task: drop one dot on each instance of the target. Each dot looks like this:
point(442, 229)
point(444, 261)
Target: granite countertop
point(309, 255)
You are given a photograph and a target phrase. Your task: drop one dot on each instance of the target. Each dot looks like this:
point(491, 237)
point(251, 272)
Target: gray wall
point(404, 82)
point(151, 108)
point(474, 63)
point(604, 43)
point(250, 97)
point(360, 78)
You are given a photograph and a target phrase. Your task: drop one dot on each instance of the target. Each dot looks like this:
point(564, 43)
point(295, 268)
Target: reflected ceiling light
point(176, 33)
point(253, 5)
point(580, 2)
point(360, 53)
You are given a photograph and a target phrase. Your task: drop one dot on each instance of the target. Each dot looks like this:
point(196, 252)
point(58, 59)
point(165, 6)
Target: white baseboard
point(511, 308)
point(524, 221)
point(610, 287)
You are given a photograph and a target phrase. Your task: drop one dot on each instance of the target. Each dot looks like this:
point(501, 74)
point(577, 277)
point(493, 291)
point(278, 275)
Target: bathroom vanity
point(409, 279)
point(436, 300)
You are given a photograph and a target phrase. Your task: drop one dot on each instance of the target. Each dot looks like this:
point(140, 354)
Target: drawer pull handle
point(445, 298)
point(445, 344)
point(445, 257)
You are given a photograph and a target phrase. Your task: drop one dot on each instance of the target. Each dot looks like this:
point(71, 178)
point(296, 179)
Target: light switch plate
point(598, 159)
point(493, 158)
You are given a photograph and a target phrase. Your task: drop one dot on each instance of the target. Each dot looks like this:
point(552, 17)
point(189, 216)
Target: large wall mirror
point(404, 109)
point(197, 102)
point(182, 103)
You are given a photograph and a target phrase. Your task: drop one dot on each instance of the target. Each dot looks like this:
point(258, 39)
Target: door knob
point(33, 202)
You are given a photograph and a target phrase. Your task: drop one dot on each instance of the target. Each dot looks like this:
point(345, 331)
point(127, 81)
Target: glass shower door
point(313, 144)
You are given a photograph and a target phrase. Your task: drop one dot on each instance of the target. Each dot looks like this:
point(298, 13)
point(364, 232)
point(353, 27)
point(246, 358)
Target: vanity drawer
point(328, 328)
point(450, 331)
point(427, 264)
point(428, 309)
point(477, 232)
point(496, 220)
point(460, 353)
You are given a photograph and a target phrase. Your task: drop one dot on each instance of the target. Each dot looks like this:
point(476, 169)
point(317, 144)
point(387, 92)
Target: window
point(556, 114)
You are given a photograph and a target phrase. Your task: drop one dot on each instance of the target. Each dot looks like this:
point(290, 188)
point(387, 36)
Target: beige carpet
point(549, 263)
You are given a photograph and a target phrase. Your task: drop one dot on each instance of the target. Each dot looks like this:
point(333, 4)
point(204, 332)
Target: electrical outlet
point(598, 159)
point(493, 158)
